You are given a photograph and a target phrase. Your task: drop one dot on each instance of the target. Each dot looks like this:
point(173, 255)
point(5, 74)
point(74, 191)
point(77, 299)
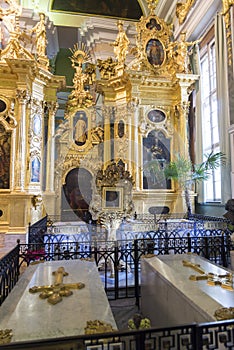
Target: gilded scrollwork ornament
point(224, 313)
point(107, 68)
point(5, 336)
point(182, 10)
point(80, 96)
point(98, 326)
point(227, 19)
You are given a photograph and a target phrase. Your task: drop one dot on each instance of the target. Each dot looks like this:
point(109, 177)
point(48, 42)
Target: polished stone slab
point(170, 298)
point(32, 318)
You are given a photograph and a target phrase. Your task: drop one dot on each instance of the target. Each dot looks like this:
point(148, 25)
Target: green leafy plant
point(186, 174)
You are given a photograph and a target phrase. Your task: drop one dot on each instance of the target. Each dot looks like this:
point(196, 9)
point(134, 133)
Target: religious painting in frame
point(80, 128)
point(156, 116)
point(35, 170)
point(155, 52)
point(112, 198)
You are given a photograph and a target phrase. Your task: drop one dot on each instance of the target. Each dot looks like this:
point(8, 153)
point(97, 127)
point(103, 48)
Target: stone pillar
point(185, 82)
point(21, 143)
point(231, 133)
point(52, 108)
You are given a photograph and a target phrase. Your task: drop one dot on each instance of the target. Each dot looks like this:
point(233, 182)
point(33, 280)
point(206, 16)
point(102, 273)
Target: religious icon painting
point(153, 24)
point(156, 116)
point(112, 198)
point(155, 52)
point(3, 106)
point(121, 128)
point(35, 172)
point(80, 128)
point(37, 125)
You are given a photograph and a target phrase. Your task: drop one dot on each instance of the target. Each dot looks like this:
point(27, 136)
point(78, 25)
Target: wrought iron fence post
point(140, 341)
point(195, 228)
point(116, 270)
point(197, 339)
point(206, 248)
point(95, 252)
point(166, 238)
point(223, 251)
point(189, 243)
point(136, 271)
point(18, 257)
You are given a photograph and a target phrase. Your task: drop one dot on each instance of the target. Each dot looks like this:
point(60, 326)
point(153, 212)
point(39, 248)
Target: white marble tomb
point(33, 318)
point(170, 299)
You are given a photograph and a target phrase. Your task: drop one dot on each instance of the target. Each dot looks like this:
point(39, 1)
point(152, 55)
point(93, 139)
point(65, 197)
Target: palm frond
point(213, 160)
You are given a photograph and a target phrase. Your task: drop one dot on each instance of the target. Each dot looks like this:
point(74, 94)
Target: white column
point(50, 147)
point(231, 133)
point(21, 143)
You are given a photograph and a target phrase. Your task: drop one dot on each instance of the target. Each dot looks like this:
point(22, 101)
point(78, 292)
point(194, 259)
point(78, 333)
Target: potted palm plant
point(187, 174)
point(184, 172)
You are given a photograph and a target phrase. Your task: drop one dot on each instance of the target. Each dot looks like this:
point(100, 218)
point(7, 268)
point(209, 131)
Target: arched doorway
point(76, 195)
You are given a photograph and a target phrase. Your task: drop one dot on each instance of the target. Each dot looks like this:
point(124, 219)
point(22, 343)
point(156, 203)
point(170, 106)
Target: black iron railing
point(9, 272)
point(118, 262)
point(215, 336)
point(121, 259)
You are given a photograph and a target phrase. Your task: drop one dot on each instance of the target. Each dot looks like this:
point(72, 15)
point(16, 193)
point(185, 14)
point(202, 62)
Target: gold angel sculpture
point(121, 44)
point(41, 41)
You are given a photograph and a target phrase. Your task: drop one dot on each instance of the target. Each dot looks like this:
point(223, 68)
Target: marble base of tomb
point(169, 298)
point(33, 318)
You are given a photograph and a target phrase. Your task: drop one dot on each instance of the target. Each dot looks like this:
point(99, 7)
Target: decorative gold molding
point(5, 336)
point(98, 326)
point(224, 313)
point(182, 10)
point(227, 19)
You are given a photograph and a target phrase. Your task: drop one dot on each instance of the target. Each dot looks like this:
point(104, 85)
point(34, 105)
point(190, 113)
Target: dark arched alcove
point(76, 195)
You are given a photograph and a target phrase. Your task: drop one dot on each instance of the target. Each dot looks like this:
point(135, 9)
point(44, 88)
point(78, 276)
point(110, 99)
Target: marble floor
point(123, 310)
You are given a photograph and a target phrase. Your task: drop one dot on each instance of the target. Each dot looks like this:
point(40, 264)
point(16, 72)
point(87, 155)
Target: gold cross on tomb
point(224, 281)
point(54, 293)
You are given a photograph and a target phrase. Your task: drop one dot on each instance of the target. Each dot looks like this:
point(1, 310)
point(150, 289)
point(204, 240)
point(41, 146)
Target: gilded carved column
point(21, 141)
point(107, 135)
point(136, 143)
point(52, 108)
